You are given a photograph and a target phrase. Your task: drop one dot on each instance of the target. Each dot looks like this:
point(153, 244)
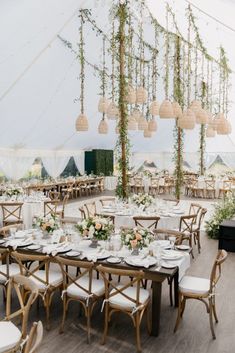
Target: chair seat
point(10, 336)
point(194, 285)
point(120, 301)
point(14, 269)
point(55, 279)
point(97, 288)
point(12, 219)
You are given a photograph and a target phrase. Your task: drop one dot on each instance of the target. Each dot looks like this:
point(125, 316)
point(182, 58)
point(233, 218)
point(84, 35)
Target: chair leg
point(47, 307)
point(211, 318)
point(214, 311)
point(137, 323)
point(88, 315)
point(170, 290)
point(198, 242)
point(64, 315)
point(179, 316)
point(106, 324)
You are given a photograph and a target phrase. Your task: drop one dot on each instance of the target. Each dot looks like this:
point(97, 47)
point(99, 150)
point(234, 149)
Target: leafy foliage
point(223, 210)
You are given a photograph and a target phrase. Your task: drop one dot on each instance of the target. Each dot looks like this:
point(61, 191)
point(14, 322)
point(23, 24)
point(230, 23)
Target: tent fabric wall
point(15, 163)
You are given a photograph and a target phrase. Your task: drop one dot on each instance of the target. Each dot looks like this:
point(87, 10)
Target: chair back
point(138, 181)
point(69, 279)
point(146, 222)
point(166, 233)
point(195, 208)
point(201, 217)
point(34, 339)
point(43, 264)
point(50, 207)
point(65, 201)
point(210, 184)
point(216, 268)
point(19, 283)
point(11, 211)
point(90, 209)
point(107, 201)
point(227, 184)
point(154, 182)
point(83, 213)
point(187, 222)
point(54, 195)
point(4, 258)
point(133, 278)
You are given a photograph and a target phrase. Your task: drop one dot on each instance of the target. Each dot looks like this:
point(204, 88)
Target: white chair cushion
point(195, 285)
point(14, 269)
point(55, 279)
point(12, 219)
point(121, 301)
point(97, 287)
point(10, 336)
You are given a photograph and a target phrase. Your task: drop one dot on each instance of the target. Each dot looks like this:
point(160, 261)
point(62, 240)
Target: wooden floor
point(193, 335)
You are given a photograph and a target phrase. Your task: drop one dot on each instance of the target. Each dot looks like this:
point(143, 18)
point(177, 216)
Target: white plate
point(114, 260)
point(182, 247)
point(178, 212)
point(63, 249)
point(171, 255)
point(102, 256)
point(20, 234)
point(138, 262)
point(2, 241)
point(73, 253)
point(34, 247)
point(25, 243)
point(166, 265)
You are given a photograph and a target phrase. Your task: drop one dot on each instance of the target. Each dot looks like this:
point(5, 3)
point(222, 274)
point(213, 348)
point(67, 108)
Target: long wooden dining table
point(155, 274)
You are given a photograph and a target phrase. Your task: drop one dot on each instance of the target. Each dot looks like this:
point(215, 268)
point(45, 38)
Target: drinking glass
point(172, 242)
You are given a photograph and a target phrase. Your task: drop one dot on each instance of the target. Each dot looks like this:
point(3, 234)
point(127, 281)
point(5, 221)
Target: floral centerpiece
point(14, 191)
point(46, 224)
point(142, 200)
point(136, 238)
point(99, 228)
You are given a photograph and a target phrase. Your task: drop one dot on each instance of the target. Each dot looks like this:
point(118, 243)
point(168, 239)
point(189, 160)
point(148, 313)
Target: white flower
point(91, 231)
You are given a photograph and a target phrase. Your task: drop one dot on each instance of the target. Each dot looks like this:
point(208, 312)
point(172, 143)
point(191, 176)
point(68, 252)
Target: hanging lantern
point(152, 125)
point(131, 95)
point(177, 109)
point(103, 127)
point(147, 133)
point(166, 110)
point(195, 105)
point(103, 105)
point(210, 132)
point(229, 127)
point(154, 108)
point(82, 123)
point(218, 119)
point(136, 114)
point(142, 124)
point(201, 116)
point(209, 118)
point(222, 126)
point(132, 124)
point(112, 111)
point(187, 120)
point(141, 95)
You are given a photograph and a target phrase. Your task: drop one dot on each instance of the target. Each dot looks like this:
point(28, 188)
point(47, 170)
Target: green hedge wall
point(99, 162)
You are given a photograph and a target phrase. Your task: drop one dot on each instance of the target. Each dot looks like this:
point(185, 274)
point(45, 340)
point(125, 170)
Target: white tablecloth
point(110, 182)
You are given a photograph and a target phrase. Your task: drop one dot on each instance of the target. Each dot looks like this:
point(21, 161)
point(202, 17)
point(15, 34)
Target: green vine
point(178, 133)
point(82, 61)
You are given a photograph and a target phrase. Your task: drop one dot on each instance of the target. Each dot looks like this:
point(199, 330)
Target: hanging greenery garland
point(178, 132)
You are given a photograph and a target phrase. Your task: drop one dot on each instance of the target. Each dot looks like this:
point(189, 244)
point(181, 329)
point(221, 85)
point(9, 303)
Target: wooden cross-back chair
point(60, 212)
point(146, 222)
point(108, 216)
point(153, 188)
point(50, 207)
point(186, 227)
point(12, 343)
point(201, 289)
point(90, 209)
point(54, 195)
point(34, 339)
point(11, 212)
point(46, 280)
point(6, 269)
point(195, 208)
point(226, 188)
point(107, 201)
point(210, 188)
point(139, 186)
point(197, 228)
point(128, 298)
point(82, 288)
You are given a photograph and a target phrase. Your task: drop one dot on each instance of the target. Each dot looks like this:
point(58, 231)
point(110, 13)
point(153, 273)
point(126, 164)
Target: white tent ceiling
point(39, 77)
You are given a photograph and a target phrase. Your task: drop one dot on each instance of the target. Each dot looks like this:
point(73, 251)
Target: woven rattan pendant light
point(152, 125)
point(82, 123)
point(142, 124)
point(112, 111)
point(177, 109)
point(136, 114)
point(103, 127)
point(210, 132)
point(201, 116)
point(187, 120)
point(147, 133)
point(132, 123)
